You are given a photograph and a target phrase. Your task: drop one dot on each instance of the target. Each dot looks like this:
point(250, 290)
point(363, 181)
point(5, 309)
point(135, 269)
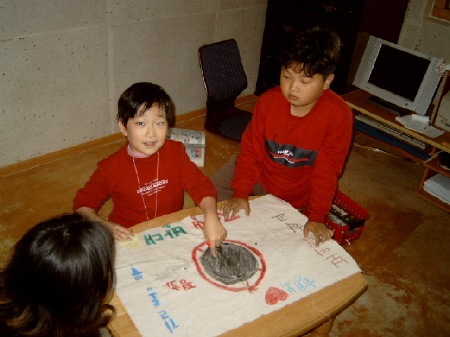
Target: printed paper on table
point(168, 291)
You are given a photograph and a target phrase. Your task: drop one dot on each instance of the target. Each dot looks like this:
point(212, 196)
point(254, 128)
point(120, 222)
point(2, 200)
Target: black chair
point(225, 79)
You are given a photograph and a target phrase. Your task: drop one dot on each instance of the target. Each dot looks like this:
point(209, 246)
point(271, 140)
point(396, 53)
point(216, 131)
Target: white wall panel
point(63, 64)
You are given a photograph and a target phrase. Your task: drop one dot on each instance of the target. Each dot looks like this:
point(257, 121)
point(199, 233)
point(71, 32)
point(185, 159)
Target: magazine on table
point(194, 142)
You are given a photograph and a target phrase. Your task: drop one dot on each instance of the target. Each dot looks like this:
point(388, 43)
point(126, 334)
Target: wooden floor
point(403, 250)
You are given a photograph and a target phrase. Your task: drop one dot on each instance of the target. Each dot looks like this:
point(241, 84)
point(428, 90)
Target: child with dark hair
point(148, 176)
point(59, 280)
point(297, 143)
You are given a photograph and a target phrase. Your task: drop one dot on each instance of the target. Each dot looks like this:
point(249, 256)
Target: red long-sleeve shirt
point(145, 188)
point(298, 159)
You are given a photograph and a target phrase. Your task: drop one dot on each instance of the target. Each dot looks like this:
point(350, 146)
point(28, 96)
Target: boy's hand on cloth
point(320, 231)
point(214, 233)
point(233, 206)
point(119, 232)
point(213, 229)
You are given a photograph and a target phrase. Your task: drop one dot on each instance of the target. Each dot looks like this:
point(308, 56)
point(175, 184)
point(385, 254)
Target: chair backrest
point(222, 69)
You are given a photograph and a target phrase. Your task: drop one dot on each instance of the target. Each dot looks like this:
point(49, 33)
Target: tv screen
point(398, 72)
point(398, 75)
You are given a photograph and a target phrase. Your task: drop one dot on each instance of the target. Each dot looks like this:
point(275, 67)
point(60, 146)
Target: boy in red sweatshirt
point(148, 176)
point(297, 143)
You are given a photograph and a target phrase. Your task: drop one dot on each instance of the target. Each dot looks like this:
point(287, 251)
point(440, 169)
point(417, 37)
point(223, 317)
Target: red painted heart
point(273, 295)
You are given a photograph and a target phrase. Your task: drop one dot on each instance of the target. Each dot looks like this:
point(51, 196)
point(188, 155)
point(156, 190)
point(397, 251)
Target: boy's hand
point(320, 231)
point(214, 233)
point(213, 229)
point(233, 206)
point(119, 232)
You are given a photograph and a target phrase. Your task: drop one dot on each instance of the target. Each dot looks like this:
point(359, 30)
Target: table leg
point(323, 330)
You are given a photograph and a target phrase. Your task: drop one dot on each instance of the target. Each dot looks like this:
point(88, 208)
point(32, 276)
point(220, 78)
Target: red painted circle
point(196, 253)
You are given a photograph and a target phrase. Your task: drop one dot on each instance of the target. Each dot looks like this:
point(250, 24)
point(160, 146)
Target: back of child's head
point(142, 96)
point(59, 279)
point(314, 51)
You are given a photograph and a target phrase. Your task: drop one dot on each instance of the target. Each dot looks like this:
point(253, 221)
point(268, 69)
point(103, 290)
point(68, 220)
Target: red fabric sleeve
point(94, 194)
point(251, 156)
point(144, 188)
point(195, 182)
point(327, 130)
point(330, 164)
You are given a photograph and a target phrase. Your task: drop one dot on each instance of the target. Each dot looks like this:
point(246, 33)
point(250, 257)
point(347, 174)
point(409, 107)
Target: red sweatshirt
point(298, 159)
point(145, 188)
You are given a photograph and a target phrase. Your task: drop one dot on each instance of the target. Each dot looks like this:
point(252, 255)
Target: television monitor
point(397, 75)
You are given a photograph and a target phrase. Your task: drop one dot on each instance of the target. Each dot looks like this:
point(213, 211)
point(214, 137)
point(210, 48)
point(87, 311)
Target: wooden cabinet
point(432, 167)
point(359, 101)
point(284, 17)
point(352, 20)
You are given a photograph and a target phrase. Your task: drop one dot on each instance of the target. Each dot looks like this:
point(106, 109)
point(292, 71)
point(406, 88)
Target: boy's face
point(147, 131)
point(302, 91)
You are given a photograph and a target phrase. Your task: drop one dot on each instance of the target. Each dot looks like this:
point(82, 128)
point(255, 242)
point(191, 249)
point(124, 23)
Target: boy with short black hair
point(148, 176)
point(297, 143)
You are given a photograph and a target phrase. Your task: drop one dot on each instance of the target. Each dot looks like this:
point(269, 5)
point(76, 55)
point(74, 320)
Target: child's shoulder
point(331, 99)
point(120, 155)
point(272, 96)
point(333, 109)
point(334, 98)
point(272, 93)
point(173, 145)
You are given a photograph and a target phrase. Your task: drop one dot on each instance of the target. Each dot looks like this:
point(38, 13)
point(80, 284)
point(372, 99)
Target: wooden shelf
point(431, 198)
point(433, 164)
point(359, 101)
point(433, 168)
point(399, 151)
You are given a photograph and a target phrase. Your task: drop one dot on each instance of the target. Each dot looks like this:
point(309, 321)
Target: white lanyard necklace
point(139, 181)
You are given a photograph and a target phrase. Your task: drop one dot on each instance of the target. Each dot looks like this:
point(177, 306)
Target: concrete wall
point(424, 33)
point(64, 64)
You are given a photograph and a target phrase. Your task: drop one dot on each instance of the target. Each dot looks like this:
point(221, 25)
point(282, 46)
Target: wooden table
point(359, 100)
point(293, 320)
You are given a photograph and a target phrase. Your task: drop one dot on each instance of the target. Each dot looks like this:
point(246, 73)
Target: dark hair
point(59, 279)
point(315, 51)
point(144, 94)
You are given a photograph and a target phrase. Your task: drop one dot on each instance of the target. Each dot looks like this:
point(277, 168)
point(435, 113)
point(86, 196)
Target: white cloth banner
point(172, 286)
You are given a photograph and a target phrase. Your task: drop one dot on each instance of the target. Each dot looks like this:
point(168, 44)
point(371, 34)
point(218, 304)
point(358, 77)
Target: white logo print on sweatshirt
point(153, 187)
